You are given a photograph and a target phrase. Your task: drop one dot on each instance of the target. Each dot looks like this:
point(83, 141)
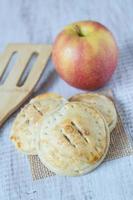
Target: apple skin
point(85, 55)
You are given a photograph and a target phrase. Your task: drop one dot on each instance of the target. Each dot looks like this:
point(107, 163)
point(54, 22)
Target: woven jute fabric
point(120, 145)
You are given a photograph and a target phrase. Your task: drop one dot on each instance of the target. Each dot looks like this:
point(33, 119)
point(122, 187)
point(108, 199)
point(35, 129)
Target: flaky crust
point(102, 103)
point(74, 140)
point(26, 125)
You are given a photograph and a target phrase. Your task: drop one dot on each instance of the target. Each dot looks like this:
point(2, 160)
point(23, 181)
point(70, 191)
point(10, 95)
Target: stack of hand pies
point(71, 137)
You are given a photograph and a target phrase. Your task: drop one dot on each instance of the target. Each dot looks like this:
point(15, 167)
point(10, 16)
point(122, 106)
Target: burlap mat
point(120, 146)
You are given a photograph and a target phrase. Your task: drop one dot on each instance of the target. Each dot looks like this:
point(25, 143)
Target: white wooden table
point(39, 22)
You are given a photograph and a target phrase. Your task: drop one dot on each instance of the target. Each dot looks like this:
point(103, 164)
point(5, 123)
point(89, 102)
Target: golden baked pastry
point(25, 128)
point(102, 103)
point(74, 140)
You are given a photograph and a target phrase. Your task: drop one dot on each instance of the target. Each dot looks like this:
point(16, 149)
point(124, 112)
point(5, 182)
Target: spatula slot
point(27, 70)
point(9, 66)
point(12, 96)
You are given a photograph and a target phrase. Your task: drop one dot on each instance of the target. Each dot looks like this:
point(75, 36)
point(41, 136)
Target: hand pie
point(25, 128)
point(102, 103)
point(74, 140)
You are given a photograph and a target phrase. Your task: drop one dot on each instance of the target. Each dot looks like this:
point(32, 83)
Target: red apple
point(85, 54)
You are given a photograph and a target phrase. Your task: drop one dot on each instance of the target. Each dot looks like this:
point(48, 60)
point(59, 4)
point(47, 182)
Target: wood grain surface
point(13, 94)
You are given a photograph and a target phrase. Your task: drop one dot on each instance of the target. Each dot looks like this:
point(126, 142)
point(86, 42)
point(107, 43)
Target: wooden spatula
point(11, 94)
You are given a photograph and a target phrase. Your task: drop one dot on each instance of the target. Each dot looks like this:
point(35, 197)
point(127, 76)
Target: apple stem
point(76, 27)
